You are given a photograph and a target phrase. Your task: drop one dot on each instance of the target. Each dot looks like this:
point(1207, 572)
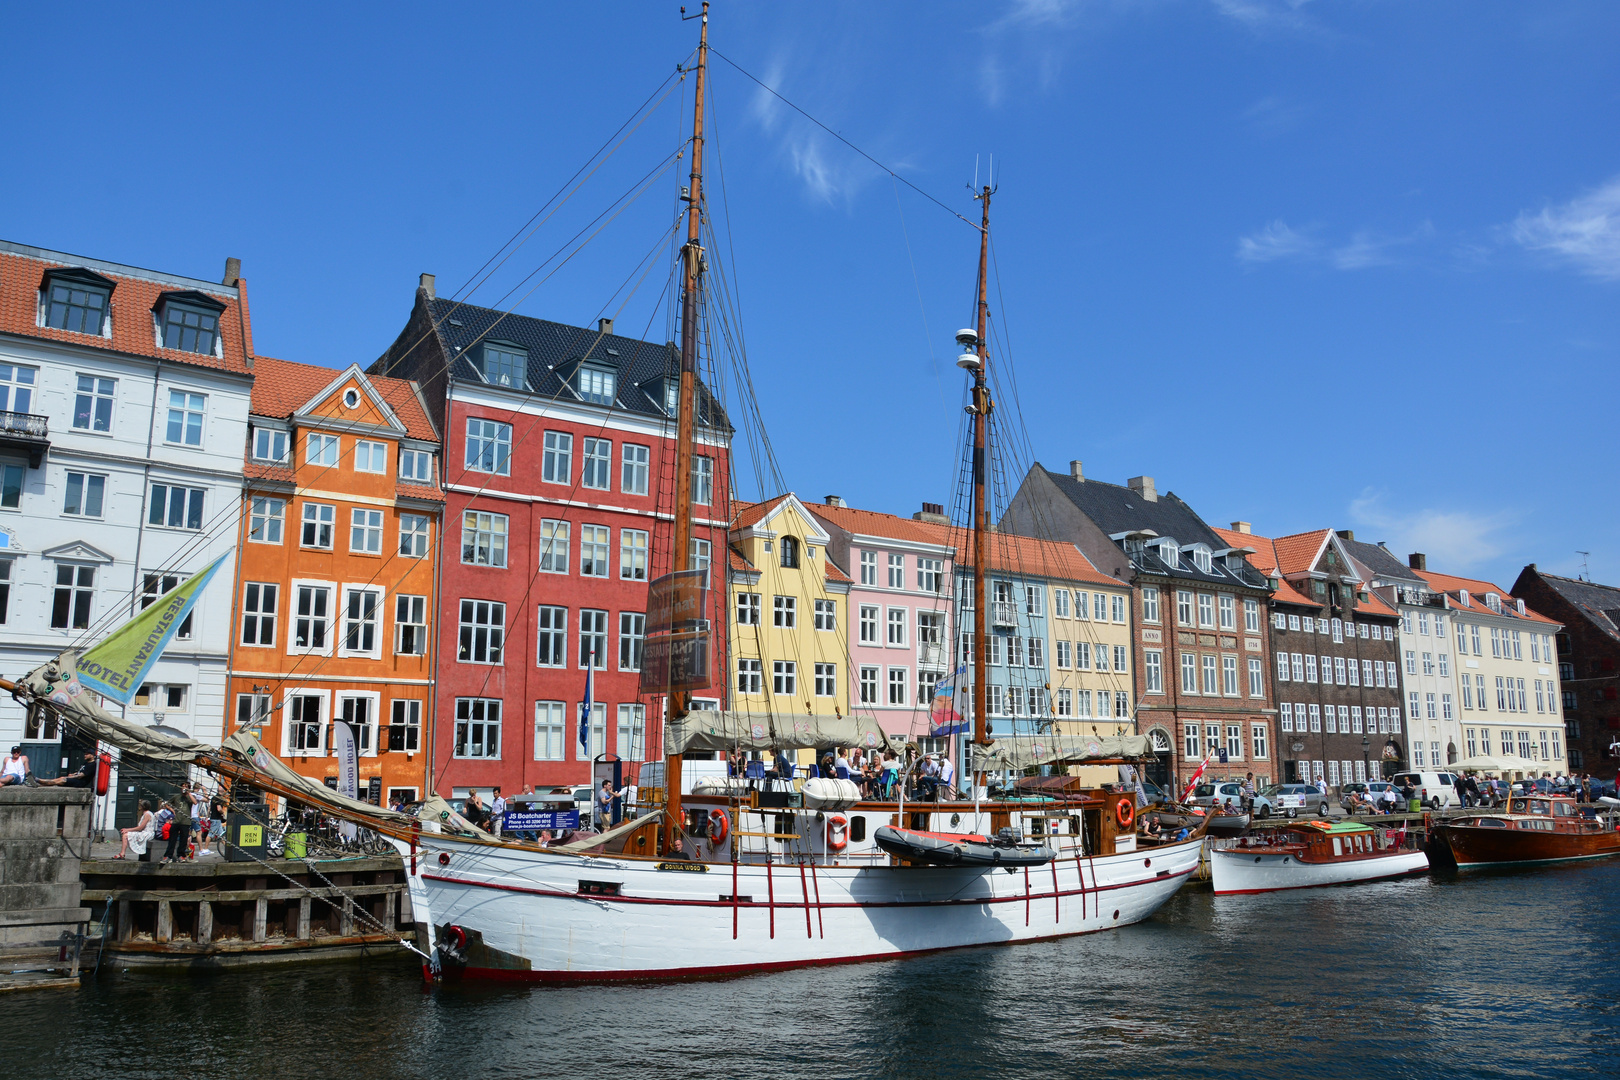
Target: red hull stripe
point(559, 895)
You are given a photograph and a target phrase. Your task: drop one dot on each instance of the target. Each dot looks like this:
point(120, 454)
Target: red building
point(559, 449)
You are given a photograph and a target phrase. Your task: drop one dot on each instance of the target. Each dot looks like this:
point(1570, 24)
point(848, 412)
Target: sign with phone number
point(535, 820)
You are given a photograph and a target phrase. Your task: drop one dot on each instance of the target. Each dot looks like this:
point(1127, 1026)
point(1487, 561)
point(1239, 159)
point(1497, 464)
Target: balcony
point(1003, 613)
point(27, 432)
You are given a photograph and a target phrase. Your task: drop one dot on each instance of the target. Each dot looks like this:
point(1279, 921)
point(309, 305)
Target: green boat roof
point(1337, 828)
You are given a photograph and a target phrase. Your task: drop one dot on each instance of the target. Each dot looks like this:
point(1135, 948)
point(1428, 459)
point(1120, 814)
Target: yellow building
point(789, 654)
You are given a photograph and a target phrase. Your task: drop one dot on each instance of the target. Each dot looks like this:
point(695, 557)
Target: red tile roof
point(1297, 554)
point(740, 564)
point(1453, 586)
point(133, 299)
point(833, 573)
point(745, 514)
point(282, 387)
point(1265, 559)
point(873, 523)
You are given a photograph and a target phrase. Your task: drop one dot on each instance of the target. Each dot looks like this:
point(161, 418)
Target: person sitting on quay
point(84, 776)
point(137, 837)
point(16, 769)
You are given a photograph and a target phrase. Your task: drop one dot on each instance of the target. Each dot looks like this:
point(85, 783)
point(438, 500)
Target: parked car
point(1153, 793)
point(1292, 798)
point(1434, 789)
point(1230, 793)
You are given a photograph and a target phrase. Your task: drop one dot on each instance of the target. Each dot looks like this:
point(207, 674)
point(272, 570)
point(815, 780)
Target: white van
point(1434, 789)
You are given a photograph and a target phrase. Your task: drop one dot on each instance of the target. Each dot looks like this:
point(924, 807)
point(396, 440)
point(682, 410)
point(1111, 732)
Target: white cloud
point(1262, 15)
point(1584, 231)
point(1275, 241)
point(1455, 539)
point(1272, 116)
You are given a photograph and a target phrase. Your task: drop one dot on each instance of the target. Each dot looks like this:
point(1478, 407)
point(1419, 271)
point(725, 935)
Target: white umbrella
point(1488, 763)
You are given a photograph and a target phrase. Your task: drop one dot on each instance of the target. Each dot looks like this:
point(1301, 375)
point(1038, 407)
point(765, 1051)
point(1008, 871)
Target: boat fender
point(103, 772)
point(1124, 813)
point(837, 832)
point(719, 827)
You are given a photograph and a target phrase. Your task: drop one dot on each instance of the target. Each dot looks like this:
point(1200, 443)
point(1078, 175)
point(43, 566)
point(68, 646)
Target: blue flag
point(585, 712)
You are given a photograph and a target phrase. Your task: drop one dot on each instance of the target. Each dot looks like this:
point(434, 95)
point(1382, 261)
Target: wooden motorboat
point(1309, 854)
point(961, 849)
point(1533, 829)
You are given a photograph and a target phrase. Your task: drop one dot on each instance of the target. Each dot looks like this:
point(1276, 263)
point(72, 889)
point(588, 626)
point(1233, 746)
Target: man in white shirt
point(497, 810)
point(16, 768)
point(947, 771)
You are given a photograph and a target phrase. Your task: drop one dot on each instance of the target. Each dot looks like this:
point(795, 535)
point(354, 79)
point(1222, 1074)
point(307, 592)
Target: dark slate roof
point(1597, 602)
point(556, 349)
point(1384, 565)
point(1114, 509)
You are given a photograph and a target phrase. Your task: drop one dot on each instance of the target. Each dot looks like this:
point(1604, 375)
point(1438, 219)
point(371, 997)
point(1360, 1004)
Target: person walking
point(178, 846)
point(497, 812)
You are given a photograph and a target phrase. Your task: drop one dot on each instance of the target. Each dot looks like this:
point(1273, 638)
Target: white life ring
point(837, 832)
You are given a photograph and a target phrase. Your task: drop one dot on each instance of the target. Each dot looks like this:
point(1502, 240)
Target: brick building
point(559, 450)
point(1588, 663)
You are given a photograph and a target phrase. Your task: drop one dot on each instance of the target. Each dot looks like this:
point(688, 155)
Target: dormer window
point(189, 321)
point(505, 365)
point(1170, 552)
point(790, 553)
point(672, 396)
point(1200, 554)
point(269, 444)
point(1234, 561)
point(596, 385)
point(1493, 601)
point(77, 300)
point(1462, 594)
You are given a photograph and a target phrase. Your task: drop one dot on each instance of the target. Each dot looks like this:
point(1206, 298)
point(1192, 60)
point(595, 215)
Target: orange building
point(337, 574)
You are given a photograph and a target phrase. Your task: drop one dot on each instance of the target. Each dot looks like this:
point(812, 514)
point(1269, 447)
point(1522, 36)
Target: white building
point(123, 410)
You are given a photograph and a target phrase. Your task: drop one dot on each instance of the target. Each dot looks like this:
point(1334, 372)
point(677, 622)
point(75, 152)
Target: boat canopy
point(1024, 751)
point(1492, 763)
point(705, 730)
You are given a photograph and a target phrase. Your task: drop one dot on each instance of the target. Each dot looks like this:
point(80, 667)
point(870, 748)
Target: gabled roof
point(1026, 555)
point(747, 515)
point(556, 349)
point(282, 388)
point(1381, 563)
point(1265, 559)
point(1453, 586)
point(877, 524)
point(135, 293)
point(1600, 604)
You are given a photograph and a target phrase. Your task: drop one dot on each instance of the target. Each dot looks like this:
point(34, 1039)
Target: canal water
point(1508, 974)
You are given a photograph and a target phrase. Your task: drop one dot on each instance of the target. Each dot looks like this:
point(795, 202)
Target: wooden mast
point(677, 701)
point(981, 526)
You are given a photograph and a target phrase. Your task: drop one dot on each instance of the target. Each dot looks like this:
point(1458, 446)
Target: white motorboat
point(1307, 854)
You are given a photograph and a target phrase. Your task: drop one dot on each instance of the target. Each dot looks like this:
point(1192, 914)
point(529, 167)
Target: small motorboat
point(1312, 853)
point(961, 849)
point(1534, 829)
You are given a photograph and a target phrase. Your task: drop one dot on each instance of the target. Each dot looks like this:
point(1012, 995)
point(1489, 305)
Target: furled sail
point(1023, 751)
point(59, 685)
point(705, 730)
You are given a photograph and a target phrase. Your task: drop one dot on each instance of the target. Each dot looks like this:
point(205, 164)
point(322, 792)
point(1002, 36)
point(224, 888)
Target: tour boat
point(1308, 854)
point(1534, 829)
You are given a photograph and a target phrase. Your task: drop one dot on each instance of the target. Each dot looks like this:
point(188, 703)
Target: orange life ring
point(1125, 813)
point(837, 832)
point(719, 827)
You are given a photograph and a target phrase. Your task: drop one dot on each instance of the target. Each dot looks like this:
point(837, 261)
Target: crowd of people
point(877, 773)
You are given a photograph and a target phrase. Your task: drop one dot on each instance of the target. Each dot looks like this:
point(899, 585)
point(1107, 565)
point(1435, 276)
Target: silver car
point(1293, 799)
point(1229, 793)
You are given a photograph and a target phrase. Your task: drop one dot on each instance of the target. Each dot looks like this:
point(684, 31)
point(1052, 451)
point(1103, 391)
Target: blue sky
point(1350, 264)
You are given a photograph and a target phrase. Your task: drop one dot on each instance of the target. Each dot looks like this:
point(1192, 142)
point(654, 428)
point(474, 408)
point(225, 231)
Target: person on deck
point(604, 805)
point(947, 773)
point(677, 850)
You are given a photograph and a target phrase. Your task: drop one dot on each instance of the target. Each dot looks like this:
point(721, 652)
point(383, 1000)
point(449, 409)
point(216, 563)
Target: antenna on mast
point(1586, 571)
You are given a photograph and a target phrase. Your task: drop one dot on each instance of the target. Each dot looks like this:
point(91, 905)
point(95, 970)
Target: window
point(596, 733)
point(1191, 735)
point(1189, 673)
point(359, 712)
point(252, 711)
point(1479, 691)
point(785, 677)
point(489, 448)
point(868, 685)
point(1429, 711)
point(747, 609)
point(1118, 605)
point(11, 482)
point(593, 639)
point(1285, 716)
point(697, 555)
point(826, 615)
point(405, 726)
point(1414, 711)
point(550, 731)
point(1293, 622)
point(156, 585)
point(1316, 717)
point(365, 531)
point(1229, 676)
point(994, 703)
point(897, 626)
point(632, 732)
point(1310, 667)
point(483, 632)
point(1150, 604)
point(504, 365)
point(632, 635)
point(259, 613)
point(633, 554)
point(413, 535)
point(1496, 643)
point(1411, 661)
point(931, 577)
point(596, 385)
point(633, 469)
point(1385, 672)
point(868, 568)
point(826, 680)
point(1234, 742)
point(1257, 678)
point(551, 636)
point(370, 457)
point(1065, 702)
point(869, 625)
point(93, 403)
point(1228, 612)
point(898, 677)
point(1299, 666)
point(313, 610)
point(1082, 656)
point(784, 611)
point(1251, 616)
point(1036, 651)
point(1206, 609)
point(1467, 697)
point(1473, 633)
point(1060, 603)
point(483, 538)
point(703, 490)
point(1518, 644)
point(1034, 600)
point(1445, 707)
point(269, 445)
point(189, 329)
point(321, 449)
point(1428, 663)
point(84, 494)
point(305, 726)
point(1210, 684)
point(318, 520)
point(1502, 703)
point(1257, 742)
point(596, 464)
point(176, 507)
point(1060, 655)
point(1355, 719)
point(748, 676)
point(1354, 671)
point(416, 465)
point(76, 306)
point(1282, 667)
point(1152, 673)
point(478, 728)
point(1119, 657)
point(554, 538)
point(593, 550)
point(897, 571)
point(1338, 670)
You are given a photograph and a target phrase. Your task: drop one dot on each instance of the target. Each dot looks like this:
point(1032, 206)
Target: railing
point(1003, 613)
point(21, 423)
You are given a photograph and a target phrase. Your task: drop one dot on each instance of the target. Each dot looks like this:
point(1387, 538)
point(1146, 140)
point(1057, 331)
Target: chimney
point(834, 500)
point(1077, 472)
point(933, 513)
point(233, 270)
point(1347, 534)
point(1242, 527)
point(604, 326)
point(1417, 561)
point(1143, 486)
point(1383, 545)
point(426, 285)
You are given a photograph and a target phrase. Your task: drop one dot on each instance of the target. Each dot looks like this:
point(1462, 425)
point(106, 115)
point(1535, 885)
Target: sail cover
point(58, 683)
point(246, 747)
point(713, 730)
point(1020, 752)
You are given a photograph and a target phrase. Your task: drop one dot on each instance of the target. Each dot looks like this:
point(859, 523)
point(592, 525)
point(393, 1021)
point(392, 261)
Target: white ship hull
point(521, 913)
point(1238, 870)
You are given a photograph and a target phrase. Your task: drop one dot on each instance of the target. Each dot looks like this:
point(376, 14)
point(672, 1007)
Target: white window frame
point(330, 621)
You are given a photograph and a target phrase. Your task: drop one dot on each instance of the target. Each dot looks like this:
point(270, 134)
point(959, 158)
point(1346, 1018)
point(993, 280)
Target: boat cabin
point(1322, 841)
